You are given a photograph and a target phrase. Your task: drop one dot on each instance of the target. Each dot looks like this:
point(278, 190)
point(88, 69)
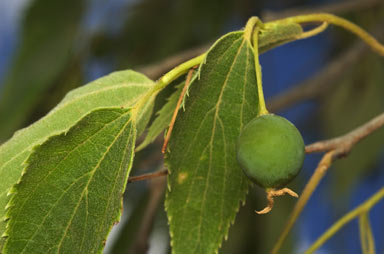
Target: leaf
point(70, 194)
point(117, 89)
point(164, 117)
point(49, 31)
point(206, 184)
point(275, 34)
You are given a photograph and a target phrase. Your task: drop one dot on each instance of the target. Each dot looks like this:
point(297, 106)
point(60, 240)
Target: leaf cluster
point(63, 177)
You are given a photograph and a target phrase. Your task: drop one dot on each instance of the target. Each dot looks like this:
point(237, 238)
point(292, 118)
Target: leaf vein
point(48, 213)
point(38, 184)
point(216, 117)
point(74, 149)
point(92, 173)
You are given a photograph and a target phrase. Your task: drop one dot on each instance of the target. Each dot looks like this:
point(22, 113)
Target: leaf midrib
point(194, 139)
point(210, 144)
point(215, 119)
point(92, 173)
point(197, 131)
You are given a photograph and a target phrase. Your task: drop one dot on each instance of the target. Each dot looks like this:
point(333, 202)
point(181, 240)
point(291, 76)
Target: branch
point(154, 71)
point(339, 146)
point(343, 144)
point(163, 172)
point(320, 171)
point(335, 8)
point(335, 149)
point(327, 78)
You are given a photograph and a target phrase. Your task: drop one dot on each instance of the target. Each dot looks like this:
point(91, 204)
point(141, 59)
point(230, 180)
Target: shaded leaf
point(70, 194)
point(206, 184)
point(164, 117)
point(48, 35)
point(118, 89)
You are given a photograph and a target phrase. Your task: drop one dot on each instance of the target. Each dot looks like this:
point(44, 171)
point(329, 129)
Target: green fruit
point(270, 151)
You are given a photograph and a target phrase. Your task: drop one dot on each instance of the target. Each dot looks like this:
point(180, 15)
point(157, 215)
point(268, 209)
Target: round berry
point(270, 150)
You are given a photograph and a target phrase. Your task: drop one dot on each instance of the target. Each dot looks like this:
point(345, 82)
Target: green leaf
point(275, 34)
point(70, 194)
point(164, 117)
point(49, 31)
point(118, 89)
point(206, 184)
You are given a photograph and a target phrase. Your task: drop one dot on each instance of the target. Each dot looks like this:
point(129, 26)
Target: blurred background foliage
point(50, 47)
